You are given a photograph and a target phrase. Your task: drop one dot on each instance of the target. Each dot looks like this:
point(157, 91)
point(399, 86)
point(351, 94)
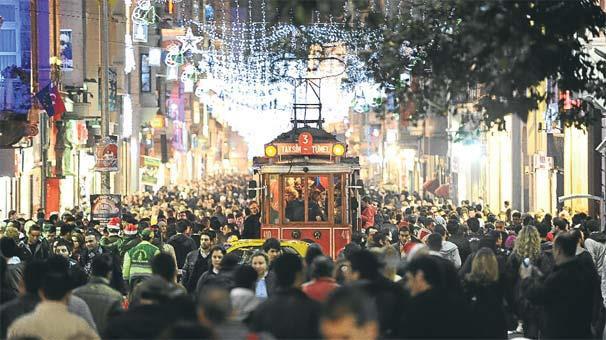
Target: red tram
point(308, 188)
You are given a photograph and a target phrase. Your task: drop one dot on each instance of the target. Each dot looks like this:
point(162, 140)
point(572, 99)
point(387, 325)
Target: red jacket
point(319, 289)
point(368, 216)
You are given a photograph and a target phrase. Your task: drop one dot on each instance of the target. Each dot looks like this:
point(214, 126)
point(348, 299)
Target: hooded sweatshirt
point(450, 251)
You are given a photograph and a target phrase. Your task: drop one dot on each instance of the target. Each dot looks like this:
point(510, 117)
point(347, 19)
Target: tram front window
point(294, 207)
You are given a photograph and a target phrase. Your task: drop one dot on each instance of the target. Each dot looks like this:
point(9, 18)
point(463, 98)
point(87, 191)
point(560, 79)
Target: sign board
point(151, 168)
point(105, 207)
point(106, 154)
point(306, 141)
point(290, 149)
point(67, 60)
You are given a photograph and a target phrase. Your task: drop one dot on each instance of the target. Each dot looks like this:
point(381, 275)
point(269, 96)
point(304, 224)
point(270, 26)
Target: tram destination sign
point(293, 149)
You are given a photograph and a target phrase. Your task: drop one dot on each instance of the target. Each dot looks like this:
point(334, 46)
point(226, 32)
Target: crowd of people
point(413, 269)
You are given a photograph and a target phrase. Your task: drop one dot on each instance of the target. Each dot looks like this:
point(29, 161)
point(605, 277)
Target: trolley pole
point(105, 175)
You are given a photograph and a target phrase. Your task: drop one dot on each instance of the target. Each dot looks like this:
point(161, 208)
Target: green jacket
point(137, 261)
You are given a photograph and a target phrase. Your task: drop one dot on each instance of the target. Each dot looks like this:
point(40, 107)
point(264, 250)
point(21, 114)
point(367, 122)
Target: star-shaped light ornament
point(189, 42)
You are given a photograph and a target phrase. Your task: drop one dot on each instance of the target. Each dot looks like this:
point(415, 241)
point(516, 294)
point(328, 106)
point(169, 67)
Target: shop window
point(145, 73)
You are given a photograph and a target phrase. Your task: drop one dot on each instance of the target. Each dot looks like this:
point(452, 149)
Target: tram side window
point(274, 199)
point(294, 200)
point(338, 192)
point(317, 187)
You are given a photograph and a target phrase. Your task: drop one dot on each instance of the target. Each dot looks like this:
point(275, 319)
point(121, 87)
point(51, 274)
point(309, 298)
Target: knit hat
point(130, 229)
point(114, 223)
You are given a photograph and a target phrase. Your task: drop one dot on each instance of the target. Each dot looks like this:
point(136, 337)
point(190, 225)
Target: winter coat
point(40, 251)
point(51, 320)
point(567, 296)
point(243, 302)
point(195, 265)
point(87, 257)
point(14, 273)
point(486, 309)
point(391, 300)
point(137, 261)
point(12, 310)
point(183, 245)
point(368, 216)
point(463, 244)
point(155, 288)
point(436, 315)
point(112, 244)
point(597, 250)
point(103, 301)
point(252, 227)
point(450, 251)
point(287, 314)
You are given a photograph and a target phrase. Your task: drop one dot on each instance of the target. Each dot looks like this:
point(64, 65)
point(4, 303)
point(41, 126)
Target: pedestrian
point(322, 282)
point(265, 283)
point(182, 243)
point(103, 301)
point(216, 312)
point(12, 268)
point(390, 298)
point(433, 299)
point(92, 250)
point(52, 311)
point(288, 313)
point(216, 255)
point(349, 314)
point(197, 261)
point(243, 298)
point(527, 246)
point(35, 247)
point(567, 294)
point(484, 295)
point(161, 285)
point(137, 265)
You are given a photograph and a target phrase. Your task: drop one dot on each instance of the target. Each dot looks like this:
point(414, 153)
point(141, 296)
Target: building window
point(145, 73)
point(9, 34)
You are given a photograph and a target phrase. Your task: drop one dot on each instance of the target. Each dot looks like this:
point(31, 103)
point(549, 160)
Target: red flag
point(58, 104)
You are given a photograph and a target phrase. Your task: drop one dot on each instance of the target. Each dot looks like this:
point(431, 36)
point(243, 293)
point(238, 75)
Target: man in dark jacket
point(458, 238)
point(26, 303)
point(391, 298)
point(35, 247)
point(182, 243)
point(437, 308)
point(567, 294)
point(288, 313)
point(14, 267)
point(196, 262)
point(252, 225)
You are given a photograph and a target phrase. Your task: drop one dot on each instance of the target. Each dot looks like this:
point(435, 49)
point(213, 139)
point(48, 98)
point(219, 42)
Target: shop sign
point(67, 60)
point(291, 149)
point(150, 171)
point(106, 154)
point(105, 207)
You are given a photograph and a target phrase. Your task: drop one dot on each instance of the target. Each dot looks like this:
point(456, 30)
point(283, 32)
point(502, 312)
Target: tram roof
point(319, 135)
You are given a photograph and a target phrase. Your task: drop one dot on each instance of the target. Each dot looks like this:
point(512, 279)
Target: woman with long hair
point(526, 251)
point(485, 296)
point(216, 255)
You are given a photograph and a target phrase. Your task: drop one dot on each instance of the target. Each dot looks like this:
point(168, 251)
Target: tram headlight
point(271, 151)
point(338, 149)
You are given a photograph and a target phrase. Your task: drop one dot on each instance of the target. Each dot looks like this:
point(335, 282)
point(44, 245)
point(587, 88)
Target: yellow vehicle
point(245, 248)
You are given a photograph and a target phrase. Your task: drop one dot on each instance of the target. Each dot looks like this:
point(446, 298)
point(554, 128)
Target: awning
point(443, 191)
point(431, 185)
